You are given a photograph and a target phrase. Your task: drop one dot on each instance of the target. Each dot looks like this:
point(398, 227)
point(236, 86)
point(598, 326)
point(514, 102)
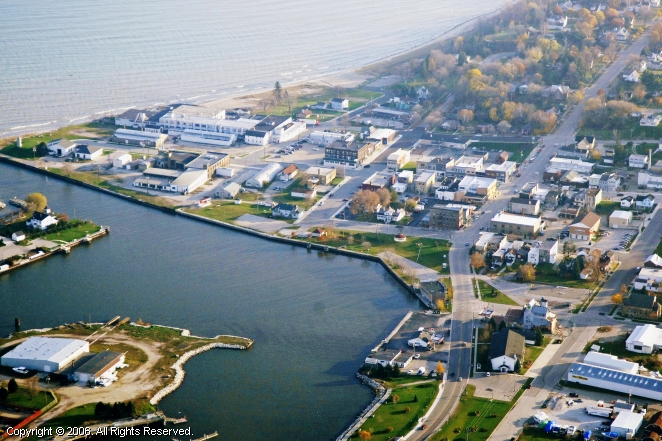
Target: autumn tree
point(365, 435)
point(465, 115)
point(617, 298)
point(36, 201)
point(440, 368)
point(384, 196)
point(395, 398)
point(440, 304)
point(477, 260)
point(527, 273)
point(363, 202)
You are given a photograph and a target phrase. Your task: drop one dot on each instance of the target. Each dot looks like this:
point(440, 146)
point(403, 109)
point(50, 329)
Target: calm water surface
point(313, 317)
point(65, 62)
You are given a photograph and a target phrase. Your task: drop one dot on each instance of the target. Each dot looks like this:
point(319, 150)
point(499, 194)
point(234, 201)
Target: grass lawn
point(411, 166)
point(431, 250)
point(303, 204)
point(73, 233)
point(518, 150)
point(493, 295)
point(228, 211)
point(10, 148)
point(337, 180)
point(393, 419)
point(545, 273)
point(606, 207)
point(480, 415)
point(22, 398)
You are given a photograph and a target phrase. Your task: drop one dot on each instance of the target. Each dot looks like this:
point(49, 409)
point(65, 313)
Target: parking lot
point(613, 240)
point(497, 386)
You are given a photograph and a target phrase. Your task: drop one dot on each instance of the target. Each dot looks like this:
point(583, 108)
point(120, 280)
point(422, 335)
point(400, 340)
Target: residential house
point(507, 223)
point(41, 219)
point(609, 182)
point(305, 114)
point(188, 182)
point(648, 279)
point(620, 219)
point(650, 121)
point(405, 177)
point(638, 161)
point(646, 180)
point(538, 315)
point(585, 143)
point(340, 104)
point(556, 92)
point(422, 93)
point(450, 124)
point(548, 251)
point(396, 160)
point(288, 173)
point(524, 206)
point(506, 348)
point(288, 211)
point(88, 152)
point(627, 202)
point(388, 215)
point(641, 305)
point(552, 199)
point(632, 76)
point(61, 147)
point(570, 151)
point(642, 202)
point(621, 34)
point(585, 227)
point(593, 198)
point(557, 22)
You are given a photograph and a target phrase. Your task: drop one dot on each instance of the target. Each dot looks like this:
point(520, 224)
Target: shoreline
point(351, 77)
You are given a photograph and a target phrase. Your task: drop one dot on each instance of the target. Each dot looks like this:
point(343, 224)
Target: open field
point(26, 398)
point(492, 295)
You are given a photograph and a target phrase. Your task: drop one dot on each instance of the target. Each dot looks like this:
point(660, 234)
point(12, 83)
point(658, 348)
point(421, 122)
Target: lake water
point(313, 317)
point(66, 62)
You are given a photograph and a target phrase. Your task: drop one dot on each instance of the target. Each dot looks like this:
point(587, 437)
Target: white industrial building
point(264, 176)
point(565, 164)
point(99, 365)
point(626, 424)
point(45, 354)
point(616, 376)
point(208, 137)
point(189, 181)
point(326, 138)
point(120, 159)
point(138, 137)
point(644, 339)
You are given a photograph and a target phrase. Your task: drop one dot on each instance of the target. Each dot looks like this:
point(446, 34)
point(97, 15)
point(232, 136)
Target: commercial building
point(323, 175)
point(289, 130)
point(88, 152)
point(482, 187)
point(448, 217)
point(288, 173)
point(646, 180)
point(208, 137)
point(135, 118)
point(507, 223)
point(120, 159)
point(529, 207)
point(585, 227)
point(626, 424)
point(264, 176)
point(351, 154)
point(209, 162)
point(641, 305)
point(506, 348)
point(61, 147)
point(637, 161)
point(45, 354)
point(611, 362)
point(644, 339)
point(189, 181)
point(468, 165)
point(443, 140)
point(326, 138)
point(424, 182)
point(183, 117)
point(615, 380)
point(100, 365)
point(502, 171)
point(564, 164)
point(620, 219)
point(256, 137)
point(396, 160)
point(383, 136)
point(378, 180)
point(140, 138)
point(593, 198)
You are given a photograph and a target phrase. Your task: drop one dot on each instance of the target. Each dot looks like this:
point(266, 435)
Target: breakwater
point(180, 373)
point(382, 396)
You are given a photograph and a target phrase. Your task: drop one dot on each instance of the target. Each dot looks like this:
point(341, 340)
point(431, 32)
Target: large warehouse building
point(99, 365)
point(45, 354)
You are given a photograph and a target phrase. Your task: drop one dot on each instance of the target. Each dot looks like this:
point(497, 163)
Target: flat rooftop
point(51, 349)
point(516, 219)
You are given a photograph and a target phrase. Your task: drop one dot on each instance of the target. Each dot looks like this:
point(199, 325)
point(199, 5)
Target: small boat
point(2, 205)
point(20, 370)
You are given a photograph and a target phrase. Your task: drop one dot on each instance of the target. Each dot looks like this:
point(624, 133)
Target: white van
point(421, 370)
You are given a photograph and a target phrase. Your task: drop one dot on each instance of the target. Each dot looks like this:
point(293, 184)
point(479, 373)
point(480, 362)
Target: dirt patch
point(85, 134)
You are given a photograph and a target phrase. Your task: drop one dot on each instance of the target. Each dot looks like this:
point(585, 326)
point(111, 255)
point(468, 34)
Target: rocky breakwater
point(180, 373)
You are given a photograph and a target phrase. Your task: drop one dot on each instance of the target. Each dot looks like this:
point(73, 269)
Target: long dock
point(98, 429)
point(176, 420)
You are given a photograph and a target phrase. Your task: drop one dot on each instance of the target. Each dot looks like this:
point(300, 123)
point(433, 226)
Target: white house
point(646, 180)
point(256, 137)
point(632, 77)
point(41, 219)
point(288, 173)
point(627, 202)
point(644, 202)
point(638, 161)
point(648, 279)
point(264, 176)
point(18, 236)
point(61, 147)
point(120, 159)
point(650, 121)
point(286, 210)
point(506, 348)
point(89, 152)
point(339, 104)
point(621, 34)
point(644, 339)
point(388, 215)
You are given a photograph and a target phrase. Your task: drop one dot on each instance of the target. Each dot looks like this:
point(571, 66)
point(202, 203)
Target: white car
point(410, 372)
point(571, 430)
point(20, 370)
point(488, 374)
point(417, 356)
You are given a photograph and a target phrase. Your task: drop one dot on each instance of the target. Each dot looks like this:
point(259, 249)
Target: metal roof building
point(616, 381)
point(611, 362)
point(45, 354)
point(97, 366)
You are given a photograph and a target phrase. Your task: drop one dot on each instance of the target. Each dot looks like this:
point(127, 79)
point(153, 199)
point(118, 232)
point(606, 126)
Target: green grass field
point(490, 294)
point(73, 233)
point(518, 150)
point(23, 398)
point(607, 207)
point(396, 416)
point(480, 415)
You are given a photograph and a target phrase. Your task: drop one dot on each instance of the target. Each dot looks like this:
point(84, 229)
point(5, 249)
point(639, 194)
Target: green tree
point(540, 338)
point(41, 149)
point(462, 58)
point(278, 93)
point(36, 201)
point(518, 365)
point(12, 386)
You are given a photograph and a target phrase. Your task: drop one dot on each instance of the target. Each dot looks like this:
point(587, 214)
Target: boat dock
point(20, 203)
point(175, 420)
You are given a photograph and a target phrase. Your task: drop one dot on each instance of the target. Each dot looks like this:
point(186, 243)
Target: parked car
point(571, 430)
point(573, 394)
